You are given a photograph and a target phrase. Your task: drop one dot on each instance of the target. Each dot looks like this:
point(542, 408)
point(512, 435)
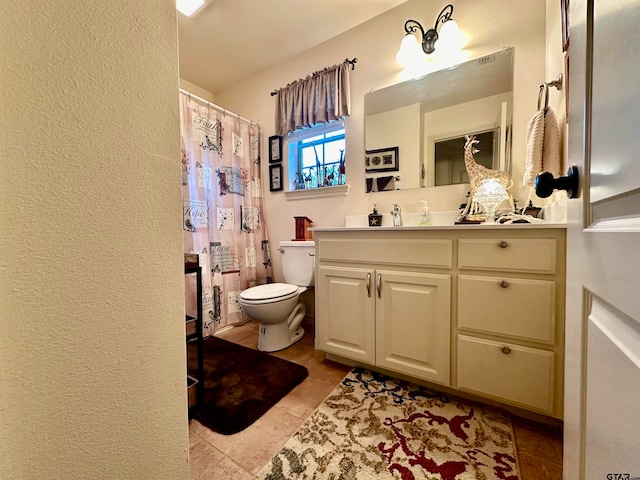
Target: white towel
point(543, 146)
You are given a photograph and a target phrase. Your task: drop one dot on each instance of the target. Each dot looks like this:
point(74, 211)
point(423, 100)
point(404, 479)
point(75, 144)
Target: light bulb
point(450, 39)
point(410, 51)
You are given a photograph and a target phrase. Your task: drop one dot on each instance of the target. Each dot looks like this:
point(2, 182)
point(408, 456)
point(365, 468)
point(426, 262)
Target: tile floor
point(241, 456)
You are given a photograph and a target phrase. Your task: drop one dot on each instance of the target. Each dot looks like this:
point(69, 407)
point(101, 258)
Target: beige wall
point(196, 90)
point(92, 354)
point(555, 58)
point(400, 128)
point(555, 64)
point(489, 26)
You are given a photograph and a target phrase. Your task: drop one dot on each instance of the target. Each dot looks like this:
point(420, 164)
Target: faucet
point(396, 213)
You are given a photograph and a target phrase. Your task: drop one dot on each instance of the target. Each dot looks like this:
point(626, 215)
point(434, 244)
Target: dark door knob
point(546, 184)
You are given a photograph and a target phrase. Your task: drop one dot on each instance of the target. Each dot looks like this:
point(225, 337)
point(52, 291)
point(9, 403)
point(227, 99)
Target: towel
point(381, 184)
point(385, 183)
point(543, 146)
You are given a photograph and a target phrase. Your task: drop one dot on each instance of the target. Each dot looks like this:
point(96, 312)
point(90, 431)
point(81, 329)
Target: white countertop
point(480, 226)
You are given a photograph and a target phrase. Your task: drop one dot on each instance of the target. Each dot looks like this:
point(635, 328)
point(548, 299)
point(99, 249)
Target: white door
point(602, 374)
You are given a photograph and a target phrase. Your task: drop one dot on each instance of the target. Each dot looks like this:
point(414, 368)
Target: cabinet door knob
point(503, 244)
point(506, 350)
point(379, 286)
point(368, 284)
point(504, 283)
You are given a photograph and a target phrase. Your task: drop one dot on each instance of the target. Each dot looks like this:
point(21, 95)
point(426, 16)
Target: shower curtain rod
point(215, 107)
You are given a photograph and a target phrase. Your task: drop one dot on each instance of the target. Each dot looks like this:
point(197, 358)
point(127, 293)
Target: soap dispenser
point(425, 218)
point(375, 218)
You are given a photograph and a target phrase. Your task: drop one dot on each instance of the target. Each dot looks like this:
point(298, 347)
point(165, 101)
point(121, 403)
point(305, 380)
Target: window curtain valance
point(319, 98)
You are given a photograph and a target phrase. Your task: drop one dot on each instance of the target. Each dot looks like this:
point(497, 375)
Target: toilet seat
point(269, 293)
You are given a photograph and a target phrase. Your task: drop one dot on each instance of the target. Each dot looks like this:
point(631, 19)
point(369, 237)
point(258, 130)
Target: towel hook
point(557, 83)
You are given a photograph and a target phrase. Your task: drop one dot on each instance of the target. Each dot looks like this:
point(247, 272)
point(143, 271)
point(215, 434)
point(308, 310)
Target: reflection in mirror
point(427, 120)
point(449, 158)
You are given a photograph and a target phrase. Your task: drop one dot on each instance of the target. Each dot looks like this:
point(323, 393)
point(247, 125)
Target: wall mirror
point(424, 123)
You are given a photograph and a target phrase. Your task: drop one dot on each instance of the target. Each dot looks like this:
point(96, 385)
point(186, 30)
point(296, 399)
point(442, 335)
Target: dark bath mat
point(240, 384)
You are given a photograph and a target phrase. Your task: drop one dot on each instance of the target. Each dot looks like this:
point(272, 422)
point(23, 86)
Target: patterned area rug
point(375, 427)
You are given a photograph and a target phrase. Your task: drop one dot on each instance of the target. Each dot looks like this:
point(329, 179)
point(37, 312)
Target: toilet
point(275, 306)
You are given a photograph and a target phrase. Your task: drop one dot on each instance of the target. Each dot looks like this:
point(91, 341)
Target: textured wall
point(92, 354)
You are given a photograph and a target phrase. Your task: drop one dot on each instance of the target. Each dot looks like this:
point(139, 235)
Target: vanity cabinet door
point(413, 324)
point(345, 306)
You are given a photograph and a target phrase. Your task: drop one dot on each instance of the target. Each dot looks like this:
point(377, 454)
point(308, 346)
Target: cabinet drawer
point(508, 254)
point(513, 307)
point(523, 376)
point(434, 253)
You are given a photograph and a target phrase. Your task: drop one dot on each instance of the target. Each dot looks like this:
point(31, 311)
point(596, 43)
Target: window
point(317, 156)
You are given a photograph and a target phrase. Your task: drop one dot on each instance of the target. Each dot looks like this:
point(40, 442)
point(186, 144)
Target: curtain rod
point(353, 67)
point(215, 107)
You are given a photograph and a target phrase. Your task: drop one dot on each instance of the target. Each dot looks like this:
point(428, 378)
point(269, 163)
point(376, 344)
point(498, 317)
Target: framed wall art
point(382, 160)
point(275, 149)
point(275, 178)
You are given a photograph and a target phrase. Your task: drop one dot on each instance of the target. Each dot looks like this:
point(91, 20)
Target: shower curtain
point(223, 214)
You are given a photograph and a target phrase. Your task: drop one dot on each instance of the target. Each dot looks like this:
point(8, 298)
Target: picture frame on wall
point(564, 15)
point(275, 149)
point(382, 160)
point(275, 178)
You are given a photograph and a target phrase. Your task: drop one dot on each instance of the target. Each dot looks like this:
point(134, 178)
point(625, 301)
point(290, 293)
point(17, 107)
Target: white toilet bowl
point(276, 306)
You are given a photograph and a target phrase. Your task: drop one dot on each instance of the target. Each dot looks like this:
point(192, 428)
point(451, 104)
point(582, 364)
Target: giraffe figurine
point(477, 173)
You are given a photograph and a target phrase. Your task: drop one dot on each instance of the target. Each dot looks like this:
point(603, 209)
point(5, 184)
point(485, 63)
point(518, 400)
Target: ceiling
point(232, 39)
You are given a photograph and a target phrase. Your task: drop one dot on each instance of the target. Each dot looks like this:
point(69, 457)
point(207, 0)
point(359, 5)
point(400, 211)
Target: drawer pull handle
point(368, 284)
point(504, 284)
point(379, 286)
point(506, 350)
point(503, 244)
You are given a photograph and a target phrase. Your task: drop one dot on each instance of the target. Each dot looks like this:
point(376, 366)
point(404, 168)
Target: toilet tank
point(298, 262)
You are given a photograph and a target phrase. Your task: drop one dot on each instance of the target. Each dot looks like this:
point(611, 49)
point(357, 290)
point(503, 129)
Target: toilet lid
point(268, 291)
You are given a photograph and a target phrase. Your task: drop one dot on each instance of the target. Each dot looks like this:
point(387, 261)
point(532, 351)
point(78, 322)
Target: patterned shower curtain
point(223, 213)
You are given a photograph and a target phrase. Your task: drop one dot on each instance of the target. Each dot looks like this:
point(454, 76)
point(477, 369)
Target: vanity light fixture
point(449, 36)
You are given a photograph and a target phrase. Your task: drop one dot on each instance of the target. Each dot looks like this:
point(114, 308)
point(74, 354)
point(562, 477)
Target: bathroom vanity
point(474, 308)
